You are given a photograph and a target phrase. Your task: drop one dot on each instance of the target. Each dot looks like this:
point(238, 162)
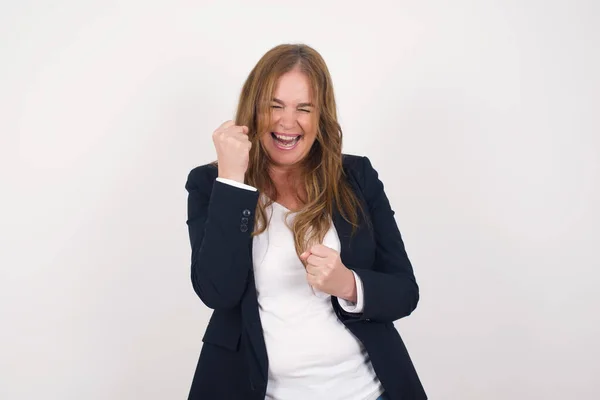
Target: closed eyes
point(300, 109)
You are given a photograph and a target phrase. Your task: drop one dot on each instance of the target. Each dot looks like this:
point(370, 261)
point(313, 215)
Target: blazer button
point(246, 213)
point(244, 220)
point(244, 228)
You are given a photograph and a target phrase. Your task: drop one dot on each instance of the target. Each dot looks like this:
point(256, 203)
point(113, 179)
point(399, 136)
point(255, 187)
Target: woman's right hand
point(233, 150)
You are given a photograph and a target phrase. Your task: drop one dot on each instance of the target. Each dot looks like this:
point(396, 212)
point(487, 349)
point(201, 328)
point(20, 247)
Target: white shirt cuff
point(236, 184)
point(349, 306)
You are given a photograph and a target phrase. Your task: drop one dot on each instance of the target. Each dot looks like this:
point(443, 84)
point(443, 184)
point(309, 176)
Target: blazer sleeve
point(390, 288)
point(220, 222)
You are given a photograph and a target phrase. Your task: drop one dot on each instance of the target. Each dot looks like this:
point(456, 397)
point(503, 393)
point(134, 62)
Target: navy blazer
point(233, 361)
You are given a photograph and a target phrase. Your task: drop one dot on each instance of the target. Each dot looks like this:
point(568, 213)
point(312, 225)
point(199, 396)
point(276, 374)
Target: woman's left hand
point(326, 272)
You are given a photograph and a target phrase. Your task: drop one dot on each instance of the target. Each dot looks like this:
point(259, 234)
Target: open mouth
point(284, 141)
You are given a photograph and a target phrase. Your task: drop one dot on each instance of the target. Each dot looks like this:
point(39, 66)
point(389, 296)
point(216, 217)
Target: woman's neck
point(284, 177)
point(287, 183)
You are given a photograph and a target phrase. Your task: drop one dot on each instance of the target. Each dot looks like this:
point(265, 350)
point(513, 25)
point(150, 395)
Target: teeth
point(286, 138)
point(287, 143)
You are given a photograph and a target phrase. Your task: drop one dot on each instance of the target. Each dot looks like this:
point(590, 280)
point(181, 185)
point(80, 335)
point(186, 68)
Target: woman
point(295, 248)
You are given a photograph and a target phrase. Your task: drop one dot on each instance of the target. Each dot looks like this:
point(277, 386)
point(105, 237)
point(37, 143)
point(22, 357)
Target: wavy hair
point(321, 172)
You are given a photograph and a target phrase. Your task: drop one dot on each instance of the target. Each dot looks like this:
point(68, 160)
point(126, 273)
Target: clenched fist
point(326, 272)
point(233, 150)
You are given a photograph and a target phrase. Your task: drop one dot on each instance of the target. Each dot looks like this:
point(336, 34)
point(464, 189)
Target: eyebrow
point(299, 104)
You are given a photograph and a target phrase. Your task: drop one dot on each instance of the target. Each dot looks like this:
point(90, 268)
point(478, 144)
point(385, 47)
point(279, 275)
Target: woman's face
point(294, 129)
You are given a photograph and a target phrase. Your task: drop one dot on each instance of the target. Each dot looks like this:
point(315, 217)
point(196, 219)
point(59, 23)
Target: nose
point(288, 119)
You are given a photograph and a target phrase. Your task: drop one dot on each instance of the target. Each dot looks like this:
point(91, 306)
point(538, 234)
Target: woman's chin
point(285, 157)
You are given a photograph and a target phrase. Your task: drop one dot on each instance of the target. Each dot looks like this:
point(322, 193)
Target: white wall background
point(481, 116)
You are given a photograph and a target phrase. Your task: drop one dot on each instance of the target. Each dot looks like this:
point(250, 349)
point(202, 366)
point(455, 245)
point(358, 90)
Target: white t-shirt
point(312, 355)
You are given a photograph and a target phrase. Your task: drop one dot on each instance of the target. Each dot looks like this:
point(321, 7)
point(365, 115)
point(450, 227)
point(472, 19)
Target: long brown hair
point(321, 171)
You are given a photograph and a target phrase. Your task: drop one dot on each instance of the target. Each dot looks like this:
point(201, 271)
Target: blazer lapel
point(253, 327)
point(344, 231)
